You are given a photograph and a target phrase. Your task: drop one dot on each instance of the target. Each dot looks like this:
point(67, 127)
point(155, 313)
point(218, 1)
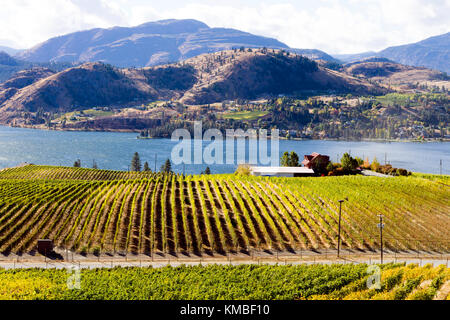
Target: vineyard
point(248, 282)
point(116, 212)
point(31, 172)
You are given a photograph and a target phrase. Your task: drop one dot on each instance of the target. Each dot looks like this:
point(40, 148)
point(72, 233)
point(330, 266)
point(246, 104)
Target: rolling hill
point(389, 72)
point(207, 78)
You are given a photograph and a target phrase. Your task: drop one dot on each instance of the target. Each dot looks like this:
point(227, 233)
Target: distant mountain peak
point(166, 22)
point(433, 52)
point(148, 44)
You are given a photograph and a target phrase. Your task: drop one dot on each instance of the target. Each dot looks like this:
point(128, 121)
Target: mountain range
point(152, 43)
point(167, 41)
point(9, 66)
point(148, 44)
point(431, 53)
point(9, 50)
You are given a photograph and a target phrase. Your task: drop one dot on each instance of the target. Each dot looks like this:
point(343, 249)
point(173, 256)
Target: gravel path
point(375, 174)
point(294, 258)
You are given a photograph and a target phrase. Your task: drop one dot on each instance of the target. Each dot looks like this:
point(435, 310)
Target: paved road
point(174, 263)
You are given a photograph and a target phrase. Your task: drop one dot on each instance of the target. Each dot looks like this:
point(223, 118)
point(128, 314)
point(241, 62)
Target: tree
point(348, 163)
point(166, 167)
point(146, 167)
point(94, 165)
point(320, 165)
point(77, 163)
point(290, 159)
point(207, 170)
point(294, 159)
point(285, 159)
point(375, 166)
point(366, 163)
point(359, 161)
point(136, 162)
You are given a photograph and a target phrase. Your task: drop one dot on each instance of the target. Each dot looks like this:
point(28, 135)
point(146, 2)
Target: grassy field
point(244, 115)
point(445, 179)
point(88, 113)
point(314, 282)
point(90, 210)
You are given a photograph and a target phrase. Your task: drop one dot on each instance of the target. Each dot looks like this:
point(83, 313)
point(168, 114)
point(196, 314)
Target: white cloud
point(335, 26)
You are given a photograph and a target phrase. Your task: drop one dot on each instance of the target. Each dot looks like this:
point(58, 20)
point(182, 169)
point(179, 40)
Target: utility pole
point(155, 160)
point(440, 166)
point(381, 226)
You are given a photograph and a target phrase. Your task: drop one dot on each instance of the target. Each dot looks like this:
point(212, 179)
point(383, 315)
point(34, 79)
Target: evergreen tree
point(146, 167)
point(294, 159)
point(207, 170)
point(290, 159)
point(136, 162)
point(348, 163)
point(77, 163)
point(285, 159)
point(166, 167)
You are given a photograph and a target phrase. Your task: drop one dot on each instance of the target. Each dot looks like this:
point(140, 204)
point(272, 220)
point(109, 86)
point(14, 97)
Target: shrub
point(339, 172)
point(330, 167)
point(243, 170)
point(385, 169)
point(83, 251)
point(366, 164)
point(96, 251)
point(359, 161)
point(375, 166)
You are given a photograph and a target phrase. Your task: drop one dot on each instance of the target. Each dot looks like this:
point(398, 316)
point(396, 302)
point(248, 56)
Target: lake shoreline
point(268, 138)
point(114, 150)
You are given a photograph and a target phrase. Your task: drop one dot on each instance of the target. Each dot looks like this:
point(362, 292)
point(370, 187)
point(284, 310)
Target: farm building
point(282, 171)
point(315, 157)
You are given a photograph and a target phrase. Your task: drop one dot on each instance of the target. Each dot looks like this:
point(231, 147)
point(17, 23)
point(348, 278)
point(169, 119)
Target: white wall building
point(281, 171)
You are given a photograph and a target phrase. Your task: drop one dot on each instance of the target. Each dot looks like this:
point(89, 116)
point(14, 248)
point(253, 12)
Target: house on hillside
point(282, 171)
point(315, 158)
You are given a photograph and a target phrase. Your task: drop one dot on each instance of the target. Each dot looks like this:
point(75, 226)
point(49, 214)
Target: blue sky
point(335, 26)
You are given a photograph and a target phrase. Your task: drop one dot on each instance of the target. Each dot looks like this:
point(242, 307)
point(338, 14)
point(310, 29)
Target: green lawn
point(88, 113)
point(244, 115)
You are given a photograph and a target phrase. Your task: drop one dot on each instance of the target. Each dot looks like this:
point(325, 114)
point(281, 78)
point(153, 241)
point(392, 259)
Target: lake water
point(113, 150)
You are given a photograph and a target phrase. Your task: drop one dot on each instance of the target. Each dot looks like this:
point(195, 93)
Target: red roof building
point(315, 157)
